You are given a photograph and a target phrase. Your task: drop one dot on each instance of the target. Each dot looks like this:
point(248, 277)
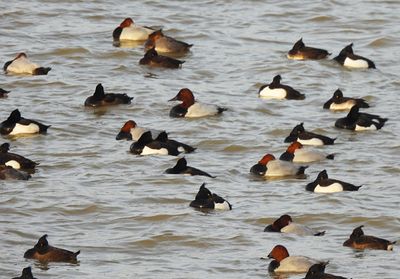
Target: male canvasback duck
point(302, 52)
point(276, 90)
point(44, 252)
point(317, 271)
point(358, 240)
point(153, 59)
point(347, 58)
point(308, 138)
point(297, 154)
point(360, 121)
point(14, 160)
point(338, 102)
point(99, 98)
point(9, 173)
point(323, 184)
point(191, 108)
point(3, 93)
point(129, 31)
point(181, 167)
point(131, 131)
point(283, 262)
point(15, 125)
point(268, 166)
point(207, 200)
point(21, 65)
point(166, 44)
point(285, 224)
point(26, 274)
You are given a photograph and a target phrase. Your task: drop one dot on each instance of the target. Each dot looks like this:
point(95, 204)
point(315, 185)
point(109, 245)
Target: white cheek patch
point(25, 129)
point(362, 128)
point(333, 188)
point(359, 63)
point(277, 93)
point(14, 164)
point(149, 151)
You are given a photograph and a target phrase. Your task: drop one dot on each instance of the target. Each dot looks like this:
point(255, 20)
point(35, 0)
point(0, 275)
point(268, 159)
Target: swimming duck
point(317, 271)
point(9, 173)
point(131, 131)
point(21, 65)
point(129, 31)
point(347, 58)
point(3, 93)
point(44, 252)
point(165, 44)
point(276, 90)
point(338, 102)
point(360, 121)
point(26, 274)
point(268, 166)
point(358, 240)
point(283, 262)
point(308, 138)
point(181, 167)
point(15, 125)
point(14, 160)
point(285, 224)
point(302, 52)
point(323, 184)
point(297, 154)
point(99, 98)
point(207, 200)
point(191, 108)
point(151, 58)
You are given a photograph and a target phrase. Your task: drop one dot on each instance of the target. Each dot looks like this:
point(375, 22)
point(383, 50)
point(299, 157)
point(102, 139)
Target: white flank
point(25, 129)
point(148, 151)
point(277, 93)
point(22, 66)
point(362, 128)
point(298, 229)
point(281, 168)
point(306, 156)
point(200, 110)
point(390, 247)
point(313, 141)
point(14, 164)
point(359, 63)
point(137, 132)
point(333, 188)
point(343, 106)
point(222, 206)
point(135, 33)
point(295, 264)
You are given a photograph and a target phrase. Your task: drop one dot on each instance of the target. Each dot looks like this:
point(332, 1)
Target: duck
point(358, 240)
point(153, 59)
point(3, 93)
point(268, 166)
point(181, 167)
point(317, 271)
point(44, 252)
point(298, 154)
point(26, 274)
point(207, 200)
point(283, 262)
point(9, 173)
point(302, 52)
point(191, 108)
point(285, 224)
point(338, 102)
point(14, 160)
point(360, 121)
point(348, 59)
point(21, 65)
point(166, 44)
point(99, 98)
point(308, 138)
point(276, 90)
point(131, 131)
point(323, 184)
point(129, 31)
point(16, 125)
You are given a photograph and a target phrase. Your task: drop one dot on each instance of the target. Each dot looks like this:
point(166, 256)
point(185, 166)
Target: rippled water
point(128, 218)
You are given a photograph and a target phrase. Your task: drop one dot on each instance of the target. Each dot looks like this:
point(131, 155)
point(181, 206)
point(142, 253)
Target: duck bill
point(173, 99)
